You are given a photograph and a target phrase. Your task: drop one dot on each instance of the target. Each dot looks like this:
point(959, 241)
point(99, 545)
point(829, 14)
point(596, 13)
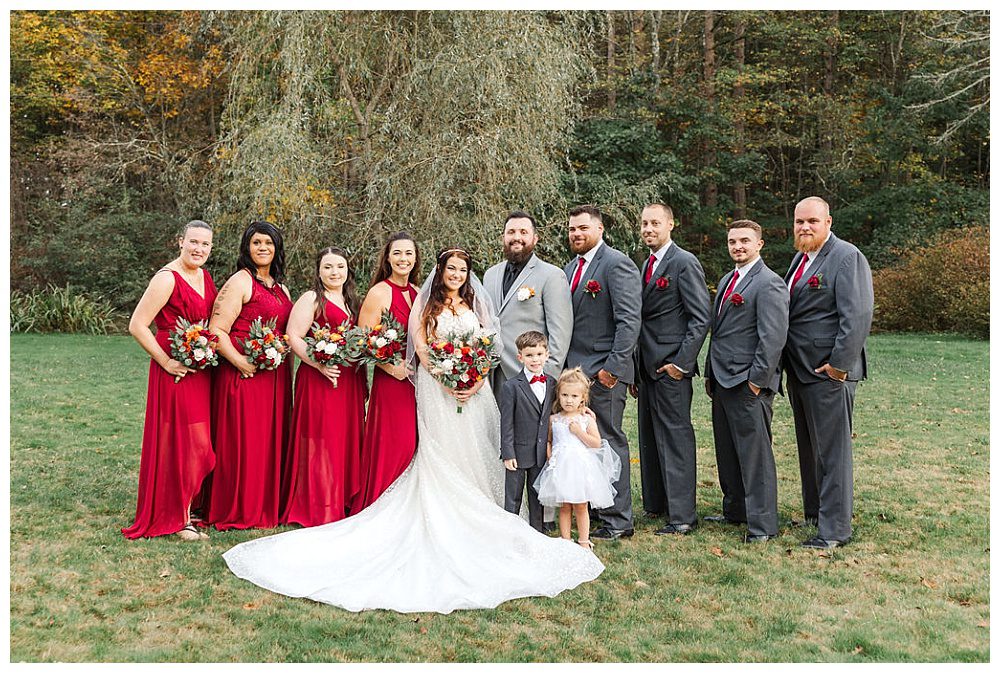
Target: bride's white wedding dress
point(438, 539)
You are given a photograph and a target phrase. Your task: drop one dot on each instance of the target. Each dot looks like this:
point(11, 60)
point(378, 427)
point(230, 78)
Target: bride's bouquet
point(463, 360)
point(193, 345)
point(329, 346)
point(385, 342)
point(264, 346)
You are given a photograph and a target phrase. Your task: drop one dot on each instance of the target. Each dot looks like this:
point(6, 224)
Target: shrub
point(62, 309)
point(943, 286)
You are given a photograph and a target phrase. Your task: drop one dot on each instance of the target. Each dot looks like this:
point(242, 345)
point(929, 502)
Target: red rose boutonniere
point(592, 288)
point(816, 282)
point(663, 283)
point(736, 299)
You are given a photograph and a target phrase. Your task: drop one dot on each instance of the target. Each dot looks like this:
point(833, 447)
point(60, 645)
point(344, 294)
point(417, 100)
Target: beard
point(519, 257)
point(808, 245)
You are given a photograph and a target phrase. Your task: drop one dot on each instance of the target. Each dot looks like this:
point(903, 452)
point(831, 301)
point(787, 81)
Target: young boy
point(525, 405)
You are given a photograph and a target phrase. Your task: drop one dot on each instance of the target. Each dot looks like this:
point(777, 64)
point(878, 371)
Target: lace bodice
point(562, 435)
point(449, 324)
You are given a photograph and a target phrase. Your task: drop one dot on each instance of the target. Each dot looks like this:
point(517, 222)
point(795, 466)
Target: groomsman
point(605, 288)
point(742, 375)
point(529, 295)
point(675, 318)
point(829, 317)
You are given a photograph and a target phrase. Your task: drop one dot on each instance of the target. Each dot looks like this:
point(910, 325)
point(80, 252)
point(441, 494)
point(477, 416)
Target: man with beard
point(606, 292)
point(829, 317)
point(528, 294)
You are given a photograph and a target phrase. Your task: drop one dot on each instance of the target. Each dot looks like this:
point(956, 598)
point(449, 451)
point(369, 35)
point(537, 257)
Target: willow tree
point(343, 126)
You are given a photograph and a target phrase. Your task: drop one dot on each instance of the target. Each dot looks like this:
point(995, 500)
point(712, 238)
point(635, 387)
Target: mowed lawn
point(913, 585)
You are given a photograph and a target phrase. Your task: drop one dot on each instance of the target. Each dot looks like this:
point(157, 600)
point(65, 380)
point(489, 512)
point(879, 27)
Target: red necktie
point(798, 272)
point(649, 268)
point(729, 288)
point(576, 276)
point(537, 379)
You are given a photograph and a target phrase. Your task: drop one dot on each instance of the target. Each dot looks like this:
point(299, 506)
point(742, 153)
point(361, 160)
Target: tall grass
point(63, 309)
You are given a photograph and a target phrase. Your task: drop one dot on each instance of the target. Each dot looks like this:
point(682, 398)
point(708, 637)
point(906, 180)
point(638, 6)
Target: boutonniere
point(816, 282)
point(736, 299)
point(592, 287)
point(663, 283)
point(524, 293)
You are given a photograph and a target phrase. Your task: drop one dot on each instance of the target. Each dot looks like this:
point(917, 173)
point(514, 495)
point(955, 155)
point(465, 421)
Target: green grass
point(912, 586)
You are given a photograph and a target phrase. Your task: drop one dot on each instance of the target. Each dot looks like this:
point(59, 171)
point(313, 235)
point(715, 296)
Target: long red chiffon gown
point(176, 439)
point(250, 425)
point(391, 425)
point(322, 472)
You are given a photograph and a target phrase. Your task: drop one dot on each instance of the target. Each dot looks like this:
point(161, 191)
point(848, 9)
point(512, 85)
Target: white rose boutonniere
point(524, 293)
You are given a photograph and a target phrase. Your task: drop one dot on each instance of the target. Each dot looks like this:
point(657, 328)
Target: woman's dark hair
point(244, 261)
point(383, 269)
point(435, 302)
point(350, 289)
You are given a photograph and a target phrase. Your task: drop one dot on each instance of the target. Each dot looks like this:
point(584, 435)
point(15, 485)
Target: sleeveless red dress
point(250, 423)
point(176, 439)
point(321, 474)
point(391, 426)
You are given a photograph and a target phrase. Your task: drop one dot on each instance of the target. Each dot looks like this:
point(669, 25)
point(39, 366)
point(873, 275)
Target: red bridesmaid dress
point(322, 471)
point(391, 426)
point(250, 425)
point(176, 440)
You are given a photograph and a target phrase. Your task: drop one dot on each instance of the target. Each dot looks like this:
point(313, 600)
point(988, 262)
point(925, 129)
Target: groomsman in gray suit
point(528, 294)
point(605, 288)
point(675, 318)
point(742, 375)
point(829, 317)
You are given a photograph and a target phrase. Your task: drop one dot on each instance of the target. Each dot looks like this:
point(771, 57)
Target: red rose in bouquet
point(384, 343)
point(460, 362)
point(193, 345)
point(264, 346)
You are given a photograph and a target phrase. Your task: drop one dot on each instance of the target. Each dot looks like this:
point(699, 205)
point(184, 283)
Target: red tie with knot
point(798, 272)
point(576, 276)
point(538, 379)
point(729, 288)
point(649, 268)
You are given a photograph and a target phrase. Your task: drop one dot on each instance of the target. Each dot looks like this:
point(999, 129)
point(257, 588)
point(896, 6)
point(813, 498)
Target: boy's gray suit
point(747, 339)
point(675, 319)
point(524, 434)
point(548, 312)
point(605, 329)
point(828, 322)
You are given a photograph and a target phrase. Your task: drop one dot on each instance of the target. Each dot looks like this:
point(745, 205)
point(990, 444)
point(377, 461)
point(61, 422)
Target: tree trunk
point(654, 36)
point(829, 76)
point(612, 98)
point(739, 50)
point(711, 188)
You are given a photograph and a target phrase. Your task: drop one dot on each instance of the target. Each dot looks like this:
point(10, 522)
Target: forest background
point(343, 126)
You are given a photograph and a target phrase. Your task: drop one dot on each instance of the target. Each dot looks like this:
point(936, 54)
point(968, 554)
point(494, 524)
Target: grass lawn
point(912, 586)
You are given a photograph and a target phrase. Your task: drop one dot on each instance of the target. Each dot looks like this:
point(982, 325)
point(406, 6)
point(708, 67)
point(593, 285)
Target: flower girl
point(581, 466)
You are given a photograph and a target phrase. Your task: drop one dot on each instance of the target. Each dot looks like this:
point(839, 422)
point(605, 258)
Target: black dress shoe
point(753, 539)
point(718, 518)
point(676, 529)
point(807, 521)
point(819, 543)
point(609, 534)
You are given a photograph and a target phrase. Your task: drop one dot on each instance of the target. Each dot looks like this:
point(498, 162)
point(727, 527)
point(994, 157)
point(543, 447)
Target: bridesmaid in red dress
point(176, 440)
point(321, 474)
point(250, 407)
point(391, 426)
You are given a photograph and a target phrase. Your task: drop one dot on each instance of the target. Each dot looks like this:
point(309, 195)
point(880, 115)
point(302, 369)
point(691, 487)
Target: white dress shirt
point(588, 258)
point(744, 272)
point(538, 388)
point(659, 254)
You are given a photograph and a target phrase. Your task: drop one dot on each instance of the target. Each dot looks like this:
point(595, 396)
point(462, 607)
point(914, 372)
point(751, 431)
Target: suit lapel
point(661, 270)
point(743, 287)
point(717, 305)
point(814, 268)
point(525, 387)
point(522, 278)
point(588, 274)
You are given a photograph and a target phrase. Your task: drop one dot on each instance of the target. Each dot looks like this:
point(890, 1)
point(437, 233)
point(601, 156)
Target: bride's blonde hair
point(574, 376)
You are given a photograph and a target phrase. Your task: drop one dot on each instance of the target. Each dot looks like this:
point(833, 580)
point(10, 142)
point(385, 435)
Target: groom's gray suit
point(548, 312)
point(746, 343)
point(829, 319)
point(605, 330)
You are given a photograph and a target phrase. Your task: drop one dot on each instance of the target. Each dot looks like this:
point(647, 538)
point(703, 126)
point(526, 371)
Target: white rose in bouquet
point(448, 365)
point(199, 353)
point(321, 345)
point(391, 335)
point(381, 342)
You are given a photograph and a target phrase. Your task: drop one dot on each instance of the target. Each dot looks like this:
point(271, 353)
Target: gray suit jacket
point(606, 326)
point(549, 312)
point(830, 322)
point(747, 339)
point(524, 423)
point(675, 317)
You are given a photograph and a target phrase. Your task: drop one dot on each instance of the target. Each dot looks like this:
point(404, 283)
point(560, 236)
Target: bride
point(438, 539)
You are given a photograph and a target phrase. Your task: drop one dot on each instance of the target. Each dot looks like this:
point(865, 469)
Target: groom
point(607, 300)
point(528, 294)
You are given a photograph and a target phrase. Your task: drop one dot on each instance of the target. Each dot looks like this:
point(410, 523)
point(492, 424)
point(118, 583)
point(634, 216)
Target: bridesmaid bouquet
point(462, 361)
point(333, 346)
point(385, 342)
point(193, 345)
point(264, 347)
